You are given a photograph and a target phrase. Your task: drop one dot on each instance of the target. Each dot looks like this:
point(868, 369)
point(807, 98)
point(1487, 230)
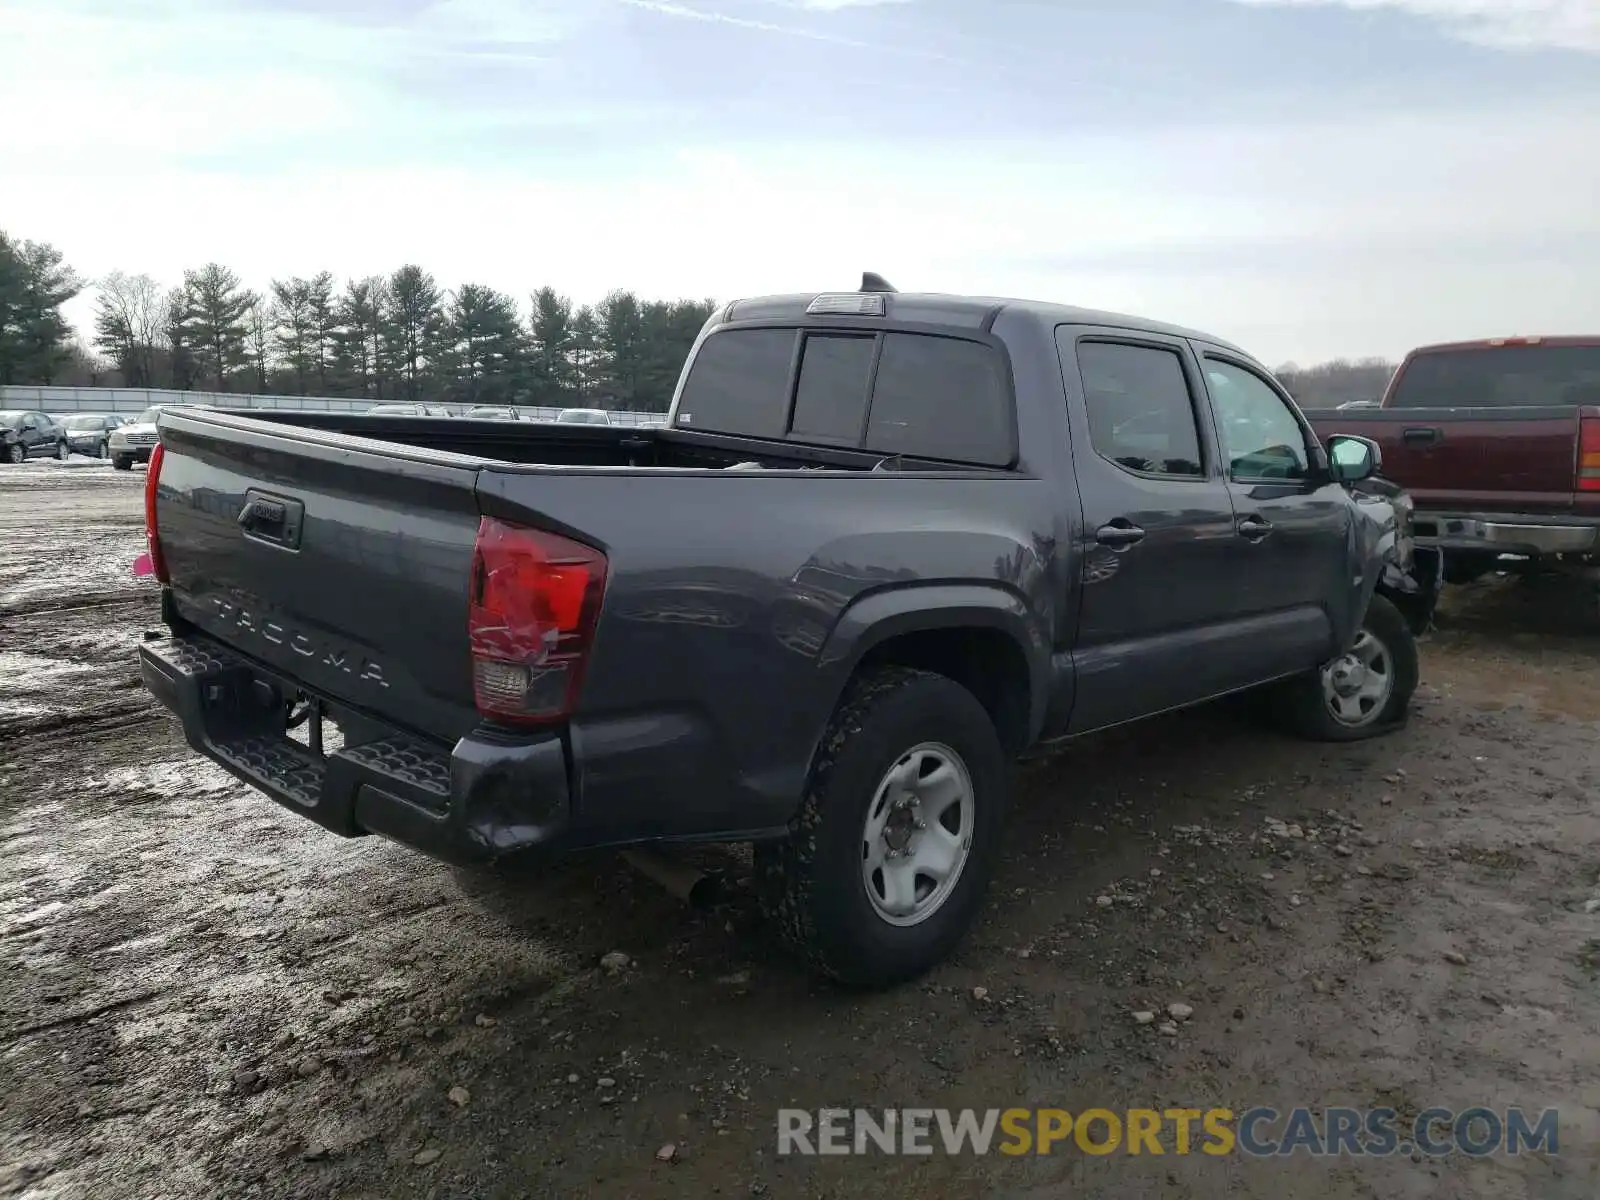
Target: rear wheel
point(1364, 692)
point(887, 861)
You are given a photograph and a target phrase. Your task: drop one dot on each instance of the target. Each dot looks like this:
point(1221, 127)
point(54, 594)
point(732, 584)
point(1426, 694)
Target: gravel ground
point(201, 995)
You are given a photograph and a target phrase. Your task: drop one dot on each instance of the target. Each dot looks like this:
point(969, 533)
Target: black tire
point(122, 462)
point(811, 884)
point(1307, 710)
point(103, 451)
point(63, 451)
point(15, 453)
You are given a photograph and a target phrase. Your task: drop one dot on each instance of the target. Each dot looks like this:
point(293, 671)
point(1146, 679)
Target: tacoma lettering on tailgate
point(275, 631)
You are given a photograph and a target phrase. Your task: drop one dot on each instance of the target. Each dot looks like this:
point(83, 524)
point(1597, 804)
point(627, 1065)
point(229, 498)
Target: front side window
point(1141, 414)
point(1261, 439)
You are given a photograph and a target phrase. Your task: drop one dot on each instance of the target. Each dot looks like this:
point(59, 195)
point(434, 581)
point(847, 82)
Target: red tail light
point(535, 597)
point(1589, 455)
point(152, 537)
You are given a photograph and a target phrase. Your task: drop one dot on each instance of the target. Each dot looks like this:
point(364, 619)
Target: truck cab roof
point(950, 311)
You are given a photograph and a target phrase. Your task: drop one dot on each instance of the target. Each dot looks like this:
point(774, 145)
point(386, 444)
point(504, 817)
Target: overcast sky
point(1310, 178)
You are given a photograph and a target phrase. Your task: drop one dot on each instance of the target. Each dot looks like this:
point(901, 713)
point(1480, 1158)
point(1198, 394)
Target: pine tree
point(217, 304)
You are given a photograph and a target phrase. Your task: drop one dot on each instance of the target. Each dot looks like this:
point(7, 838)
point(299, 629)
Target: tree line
point(391, 337)
point(1331, 384)
point(395, 337)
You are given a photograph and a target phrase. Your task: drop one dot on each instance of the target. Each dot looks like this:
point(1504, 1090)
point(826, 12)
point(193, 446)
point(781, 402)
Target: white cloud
point(670, 8)
point(836, 5)
point(1510, 24)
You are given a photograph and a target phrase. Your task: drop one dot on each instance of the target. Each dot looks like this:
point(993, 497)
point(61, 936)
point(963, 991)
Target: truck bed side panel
point(723, 590)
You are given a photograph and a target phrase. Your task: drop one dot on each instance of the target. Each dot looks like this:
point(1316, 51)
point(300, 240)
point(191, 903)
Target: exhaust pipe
point(678, 878)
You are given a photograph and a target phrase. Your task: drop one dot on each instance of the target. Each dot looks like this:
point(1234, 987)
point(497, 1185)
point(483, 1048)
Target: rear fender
point(919, 608)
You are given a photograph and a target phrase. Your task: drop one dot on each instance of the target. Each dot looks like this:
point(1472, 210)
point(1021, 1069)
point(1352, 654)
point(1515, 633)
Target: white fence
point(63, 400)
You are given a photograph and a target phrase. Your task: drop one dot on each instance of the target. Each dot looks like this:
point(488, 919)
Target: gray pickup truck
point(886, 544)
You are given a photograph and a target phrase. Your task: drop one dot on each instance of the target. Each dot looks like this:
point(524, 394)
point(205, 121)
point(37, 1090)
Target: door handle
point(1118, 535)
point(1253, 528)
point(1422, 436)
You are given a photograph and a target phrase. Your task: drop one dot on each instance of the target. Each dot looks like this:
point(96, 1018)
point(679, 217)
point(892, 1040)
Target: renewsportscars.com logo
point(1256, 1132)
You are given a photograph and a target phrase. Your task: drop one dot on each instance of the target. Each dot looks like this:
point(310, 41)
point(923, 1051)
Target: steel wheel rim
point(917, 836)
point(1357, 685)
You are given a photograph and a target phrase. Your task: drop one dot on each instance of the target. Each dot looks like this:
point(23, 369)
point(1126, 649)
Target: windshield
point(83, 422)
point(148, 416)
point(1500, 377)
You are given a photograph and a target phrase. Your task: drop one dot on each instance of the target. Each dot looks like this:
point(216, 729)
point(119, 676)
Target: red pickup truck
point(1498, 442)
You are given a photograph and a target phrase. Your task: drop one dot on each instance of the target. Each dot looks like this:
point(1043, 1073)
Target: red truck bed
point(1497, 441)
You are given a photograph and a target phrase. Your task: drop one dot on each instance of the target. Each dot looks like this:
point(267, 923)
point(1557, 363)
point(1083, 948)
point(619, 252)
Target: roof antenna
point(871, 281)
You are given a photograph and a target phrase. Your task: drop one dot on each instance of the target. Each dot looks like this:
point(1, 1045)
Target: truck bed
point(549, 444)
point(337, 555)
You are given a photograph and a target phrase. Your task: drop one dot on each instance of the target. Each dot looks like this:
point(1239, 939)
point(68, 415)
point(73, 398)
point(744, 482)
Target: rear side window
point(1500, 377)
point(939, 397)
point(1141, 413)
point(739, 383)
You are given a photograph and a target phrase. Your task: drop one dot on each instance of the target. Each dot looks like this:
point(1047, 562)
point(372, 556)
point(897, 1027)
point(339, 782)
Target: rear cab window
point(1489, 376)
point(891, 392)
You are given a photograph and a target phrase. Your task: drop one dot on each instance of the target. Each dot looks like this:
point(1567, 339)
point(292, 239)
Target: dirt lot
point(201, 995)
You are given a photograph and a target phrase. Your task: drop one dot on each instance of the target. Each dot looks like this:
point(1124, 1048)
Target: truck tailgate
point(341, 562)
point(1492, 459)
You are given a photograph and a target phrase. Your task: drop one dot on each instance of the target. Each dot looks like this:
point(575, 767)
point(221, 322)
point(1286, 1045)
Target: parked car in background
point(583, 416)
point(26, 434)
point(921, 535)
point(1498, 443)
point(493, 412)
point(90, 433)
point(132, 441)
point(409, 410)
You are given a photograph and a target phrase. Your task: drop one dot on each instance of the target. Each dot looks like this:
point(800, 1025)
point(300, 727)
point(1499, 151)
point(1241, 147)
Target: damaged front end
point(1410, 578)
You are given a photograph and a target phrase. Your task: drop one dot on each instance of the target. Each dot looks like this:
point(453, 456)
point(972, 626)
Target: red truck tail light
point(1589, 455)
point(535, 597)
point(152, 536)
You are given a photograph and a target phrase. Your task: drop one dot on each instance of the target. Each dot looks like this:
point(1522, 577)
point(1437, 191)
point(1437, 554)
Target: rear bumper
point(484, 798)
point(1508, 533)
point(491, 795)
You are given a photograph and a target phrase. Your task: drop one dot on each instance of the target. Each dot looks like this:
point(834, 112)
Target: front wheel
point(887, 861)
point(103, 451)
point(123, 462)
point(1364, 692)
point(15, 453)
point(63, 451)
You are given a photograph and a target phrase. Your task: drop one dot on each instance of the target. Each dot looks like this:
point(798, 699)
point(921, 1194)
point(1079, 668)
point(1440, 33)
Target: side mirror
point(1352, 459)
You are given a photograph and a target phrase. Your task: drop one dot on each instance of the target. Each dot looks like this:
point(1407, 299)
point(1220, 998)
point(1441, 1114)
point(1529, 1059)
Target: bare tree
point(129, 313)
point(258, 333)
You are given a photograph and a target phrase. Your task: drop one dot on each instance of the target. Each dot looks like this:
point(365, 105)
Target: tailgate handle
point(272, 519)
point(1422, 436)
